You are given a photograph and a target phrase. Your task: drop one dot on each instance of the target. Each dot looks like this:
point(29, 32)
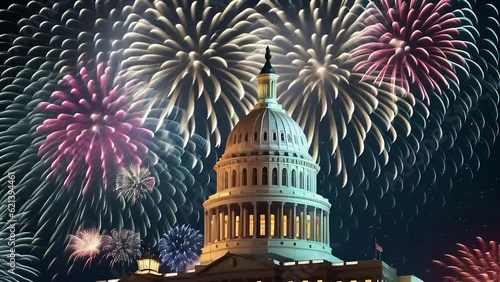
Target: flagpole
point(375, 247)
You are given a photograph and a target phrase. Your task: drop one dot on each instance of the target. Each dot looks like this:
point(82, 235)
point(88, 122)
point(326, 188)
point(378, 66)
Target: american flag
point(378, 247)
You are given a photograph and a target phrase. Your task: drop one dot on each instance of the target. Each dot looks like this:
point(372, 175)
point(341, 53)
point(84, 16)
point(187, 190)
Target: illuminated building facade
point(266, 223)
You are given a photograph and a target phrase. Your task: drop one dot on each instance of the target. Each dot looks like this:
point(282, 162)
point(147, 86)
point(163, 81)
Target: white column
point(294, 223)
point(268, 220)
point(240, 229)
point(328, 228)
point(304, 223)
point(229, 222)
point(255, 220)
point(217, 228)
point(207, 231)
point(280, 222)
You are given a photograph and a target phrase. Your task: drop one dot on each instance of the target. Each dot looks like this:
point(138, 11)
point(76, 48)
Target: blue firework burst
point(180, 247)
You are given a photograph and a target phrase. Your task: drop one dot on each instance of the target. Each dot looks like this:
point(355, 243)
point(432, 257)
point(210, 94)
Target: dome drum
point(266, 171)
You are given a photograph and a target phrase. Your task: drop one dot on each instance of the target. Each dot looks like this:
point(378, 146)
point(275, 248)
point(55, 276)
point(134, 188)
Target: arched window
point(255, 136)
point(301, 180)
point(265, 136)
point(246, 137)
point(234, 178)
point(254, 176)
point(264, 176)
point(275, 176)
point(283, 177)
point(226, 180)
point(282, 137)
point(244, 177)
point(274, 136)
point(294, 184)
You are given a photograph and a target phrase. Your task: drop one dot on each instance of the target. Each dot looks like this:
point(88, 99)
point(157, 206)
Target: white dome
point(267, 131)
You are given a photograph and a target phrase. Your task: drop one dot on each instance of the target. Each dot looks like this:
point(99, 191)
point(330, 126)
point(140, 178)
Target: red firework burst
point(92, 127)
point(411, 43)
point(473, 265)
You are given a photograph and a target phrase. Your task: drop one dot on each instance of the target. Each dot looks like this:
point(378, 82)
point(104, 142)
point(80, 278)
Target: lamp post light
point(148, 264)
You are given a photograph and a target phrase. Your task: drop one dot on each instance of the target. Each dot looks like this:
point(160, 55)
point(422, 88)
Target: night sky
point(452, 213)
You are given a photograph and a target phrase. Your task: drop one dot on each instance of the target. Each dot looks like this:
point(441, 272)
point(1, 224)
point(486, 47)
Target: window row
point(284, 178)
point(291, 138)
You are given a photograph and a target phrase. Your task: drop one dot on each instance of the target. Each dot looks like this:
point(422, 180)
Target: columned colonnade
point(266, 220)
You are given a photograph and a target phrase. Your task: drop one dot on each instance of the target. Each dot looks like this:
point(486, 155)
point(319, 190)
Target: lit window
point(262, 223)
point(250, 225)
point(368, 280)
point(297, 226)
point(244, 177)
point(237, 227)
point(225, 226)
point(272, 225)
point(354, 280)
point(285, 225)
point(275, 176)
point(320, 280)
point(308, 228)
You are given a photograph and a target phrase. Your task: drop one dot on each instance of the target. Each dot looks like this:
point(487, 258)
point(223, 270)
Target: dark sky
point(472, 209)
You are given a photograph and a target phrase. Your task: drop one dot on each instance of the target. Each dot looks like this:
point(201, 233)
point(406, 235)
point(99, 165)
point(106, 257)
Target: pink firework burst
point(473, 265)
point(92, 127)
point(85, 244)
point(411, 43)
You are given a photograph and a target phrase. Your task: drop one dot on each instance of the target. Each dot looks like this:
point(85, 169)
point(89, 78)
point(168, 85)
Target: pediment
point(236, 263)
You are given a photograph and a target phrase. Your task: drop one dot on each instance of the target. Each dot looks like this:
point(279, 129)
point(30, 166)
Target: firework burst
point(195, 57)
point(85, 245)
point(473, 265)
point(121, 246)
point(134, 183)
point(92, 127)
point(412, 43)
point(312, 58)
point(180, 247)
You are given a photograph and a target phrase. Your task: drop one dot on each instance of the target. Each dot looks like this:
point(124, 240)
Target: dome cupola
point(267, 128)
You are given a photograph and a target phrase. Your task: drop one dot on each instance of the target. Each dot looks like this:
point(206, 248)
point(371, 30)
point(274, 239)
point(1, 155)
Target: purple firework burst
point(180, 247)
point(92, 126)
point(411, 43)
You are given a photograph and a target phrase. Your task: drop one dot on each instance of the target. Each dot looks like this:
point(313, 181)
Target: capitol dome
point(270, 130)
point(266, 203)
